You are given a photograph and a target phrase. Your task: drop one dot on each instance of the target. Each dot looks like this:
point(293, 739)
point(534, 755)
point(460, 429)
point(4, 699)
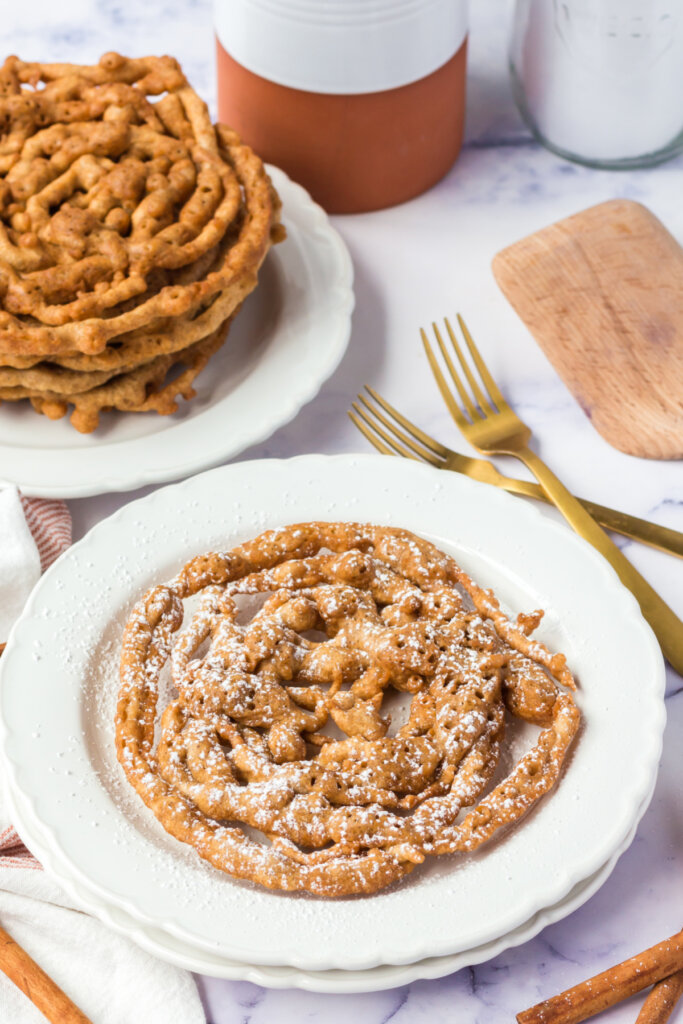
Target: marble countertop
point(415, 263)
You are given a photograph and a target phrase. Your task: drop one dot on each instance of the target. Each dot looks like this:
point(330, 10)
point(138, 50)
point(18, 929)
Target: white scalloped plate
point(375, 979)
point(59, 682)
point(287, 340)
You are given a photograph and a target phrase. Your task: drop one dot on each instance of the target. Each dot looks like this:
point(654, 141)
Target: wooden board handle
point(36, 984)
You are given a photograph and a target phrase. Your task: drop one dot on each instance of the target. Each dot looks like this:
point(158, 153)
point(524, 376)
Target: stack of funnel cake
point(131, 230)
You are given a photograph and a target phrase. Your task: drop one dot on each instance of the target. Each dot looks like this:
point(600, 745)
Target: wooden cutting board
point(602, 294)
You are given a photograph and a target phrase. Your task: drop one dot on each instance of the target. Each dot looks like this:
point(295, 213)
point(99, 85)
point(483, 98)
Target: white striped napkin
point(33, 533)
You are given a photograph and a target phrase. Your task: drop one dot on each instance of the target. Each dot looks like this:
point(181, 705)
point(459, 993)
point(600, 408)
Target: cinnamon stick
point(36, 984)
point(609, 987)
point(659, 1005)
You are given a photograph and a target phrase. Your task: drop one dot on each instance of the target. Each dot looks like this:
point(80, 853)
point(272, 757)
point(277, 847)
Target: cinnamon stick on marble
point(36, 984)
point(610, 987)
point(661, 1001)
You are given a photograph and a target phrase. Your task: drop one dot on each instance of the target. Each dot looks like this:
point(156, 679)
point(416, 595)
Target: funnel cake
point(142, 389)
point(349, 613)
point(131, 229)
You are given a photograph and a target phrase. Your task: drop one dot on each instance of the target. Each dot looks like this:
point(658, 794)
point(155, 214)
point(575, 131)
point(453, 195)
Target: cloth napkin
point(112, 980)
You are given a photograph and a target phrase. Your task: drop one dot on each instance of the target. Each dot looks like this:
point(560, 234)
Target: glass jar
point(601, 81)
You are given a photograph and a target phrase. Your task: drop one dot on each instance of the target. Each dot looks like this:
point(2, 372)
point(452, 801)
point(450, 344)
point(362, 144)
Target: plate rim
point(428, 969)
point(564, 879)
point(305, 387)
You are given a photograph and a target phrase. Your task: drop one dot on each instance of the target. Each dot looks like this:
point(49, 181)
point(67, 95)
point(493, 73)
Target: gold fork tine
point(429, 442)
point(372, 438)
point(398, 449)
point(395, 435)
point(419, 450)
point(453, 407)
point(488, 380)
point(465, 398)
point(472, 380)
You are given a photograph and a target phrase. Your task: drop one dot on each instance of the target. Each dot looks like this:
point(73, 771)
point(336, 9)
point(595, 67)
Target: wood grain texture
point(602, 294)
point(54, 1004)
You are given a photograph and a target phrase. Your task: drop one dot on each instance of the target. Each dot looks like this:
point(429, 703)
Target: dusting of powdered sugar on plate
point(59, 730)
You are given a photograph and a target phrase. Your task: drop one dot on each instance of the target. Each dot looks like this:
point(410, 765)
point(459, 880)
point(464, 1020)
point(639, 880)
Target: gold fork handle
point(661, 537)
point(666, 625)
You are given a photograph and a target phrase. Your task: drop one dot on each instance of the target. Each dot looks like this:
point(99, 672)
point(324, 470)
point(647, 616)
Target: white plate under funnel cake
point(374, 979)
point(59, 682)
point(288, 338)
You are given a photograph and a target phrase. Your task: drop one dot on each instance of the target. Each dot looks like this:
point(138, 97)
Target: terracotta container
point(361, 101)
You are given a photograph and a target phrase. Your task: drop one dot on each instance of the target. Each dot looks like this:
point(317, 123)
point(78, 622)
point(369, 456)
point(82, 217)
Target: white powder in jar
point(601, 80)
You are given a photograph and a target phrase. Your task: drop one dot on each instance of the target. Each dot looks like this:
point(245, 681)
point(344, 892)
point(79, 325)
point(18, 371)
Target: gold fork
point(392, 433)
point(487, 422)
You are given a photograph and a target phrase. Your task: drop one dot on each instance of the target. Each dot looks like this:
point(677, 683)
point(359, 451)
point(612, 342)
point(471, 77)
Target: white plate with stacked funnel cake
point(165, 299)
point(308, 713)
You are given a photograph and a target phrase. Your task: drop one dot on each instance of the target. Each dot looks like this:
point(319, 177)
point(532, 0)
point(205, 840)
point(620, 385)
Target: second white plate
point(60, 679)
point(375, 979)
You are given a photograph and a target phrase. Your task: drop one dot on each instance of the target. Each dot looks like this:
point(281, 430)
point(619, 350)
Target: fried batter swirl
point(351, 612)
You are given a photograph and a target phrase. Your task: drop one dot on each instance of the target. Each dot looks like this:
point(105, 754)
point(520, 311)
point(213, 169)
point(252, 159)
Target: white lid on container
point(341, 46)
